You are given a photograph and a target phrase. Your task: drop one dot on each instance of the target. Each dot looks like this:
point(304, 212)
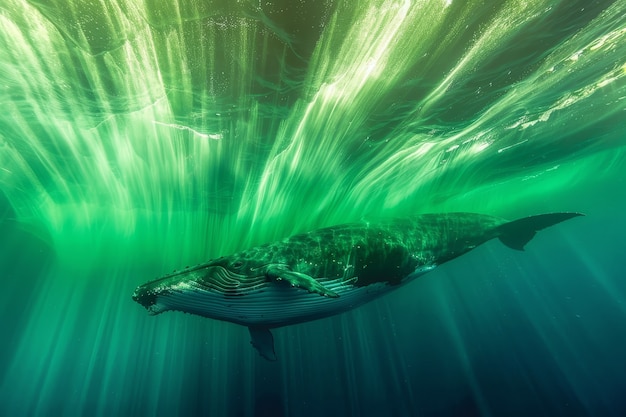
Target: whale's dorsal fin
point(263, 342)
point(300, 280)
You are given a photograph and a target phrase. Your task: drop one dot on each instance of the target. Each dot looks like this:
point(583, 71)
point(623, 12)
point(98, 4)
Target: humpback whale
point(328, 271)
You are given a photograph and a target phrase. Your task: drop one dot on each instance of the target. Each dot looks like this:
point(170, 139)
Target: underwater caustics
point(139, 136)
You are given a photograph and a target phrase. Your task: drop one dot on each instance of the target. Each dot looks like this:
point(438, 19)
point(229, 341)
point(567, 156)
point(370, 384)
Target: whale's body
point(328, 271)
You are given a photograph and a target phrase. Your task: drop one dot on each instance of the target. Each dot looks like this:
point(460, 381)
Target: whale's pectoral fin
point(300, 280)
point(518, 233)
point(263, 342)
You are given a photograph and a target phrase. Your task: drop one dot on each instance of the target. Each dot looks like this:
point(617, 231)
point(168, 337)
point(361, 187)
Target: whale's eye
point(237, 264)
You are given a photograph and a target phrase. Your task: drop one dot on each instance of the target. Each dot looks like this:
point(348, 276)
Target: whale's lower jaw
point(158, 308)
point(270, 305)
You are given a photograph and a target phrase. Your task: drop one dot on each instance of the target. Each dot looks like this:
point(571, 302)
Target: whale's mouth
point(148, 298)
point(157, 308)
point(195, 289)
point(144, 296)
point(175, 296)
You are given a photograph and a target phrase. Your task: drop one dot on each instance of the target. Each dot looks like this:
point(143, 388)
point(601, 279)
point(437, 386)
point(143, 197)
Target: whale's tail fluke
point(518, 233)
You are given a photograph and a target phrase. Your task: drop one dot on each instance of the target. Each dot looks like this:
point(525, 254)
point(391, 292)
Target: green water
point(141, 136)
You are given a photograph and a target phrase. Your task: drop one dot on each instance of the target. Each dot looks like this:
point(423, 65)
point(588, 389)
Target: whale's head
point(202, 288)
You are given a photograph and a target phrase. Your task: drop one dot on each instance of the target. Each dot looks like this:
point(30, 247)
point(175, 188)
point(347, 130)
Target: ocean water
point(140, 136)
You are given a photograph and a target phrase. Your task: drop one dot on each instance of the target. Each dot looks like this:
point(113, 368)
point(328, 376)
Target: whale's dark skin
point(328, 271)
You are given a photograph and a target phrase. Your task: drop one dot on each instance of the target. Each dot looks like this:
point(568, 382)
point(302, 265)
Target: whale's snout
point(144, 296)
point(148, 296)
point(156, 296)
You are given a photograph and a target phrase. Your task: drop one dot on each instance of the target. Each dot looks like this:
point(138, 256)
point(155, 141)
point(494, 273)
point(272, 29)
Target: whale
point(328, 271)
